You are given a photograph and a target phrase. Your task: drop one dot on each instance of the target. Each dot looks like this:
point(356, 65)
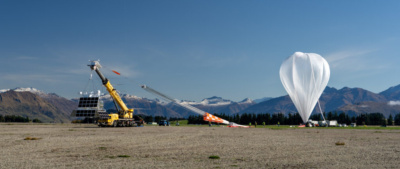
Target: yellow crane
point(124, 116)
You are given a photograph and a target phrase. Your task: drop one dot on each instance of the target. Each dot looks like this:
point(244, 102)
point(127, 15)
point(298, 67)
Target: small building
point(152, 123)
point(332, 123)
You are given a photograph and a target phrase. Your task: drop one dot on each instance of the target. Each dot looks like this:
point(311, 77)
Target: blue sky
point(195, 49)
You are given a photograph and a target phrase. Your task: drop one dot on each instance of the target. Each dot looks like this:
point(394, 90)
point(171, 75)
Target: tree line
point(14, 118)
point(295, 119)
point(290, 119)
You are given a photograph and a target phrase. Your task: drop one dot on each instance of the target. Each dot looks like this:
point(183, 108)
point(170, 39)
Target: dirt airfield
point(87, 146)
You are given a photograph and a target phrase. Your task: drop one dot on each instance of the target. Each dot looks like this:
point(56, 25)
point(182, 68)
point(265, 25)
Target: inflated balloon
point(305, 76)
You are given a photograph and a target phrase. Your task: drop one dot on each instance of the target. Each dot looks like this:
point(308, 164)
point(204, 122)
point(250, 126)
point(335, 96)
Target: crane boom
point(95, 65)
point(206, 116)
point(167, 98)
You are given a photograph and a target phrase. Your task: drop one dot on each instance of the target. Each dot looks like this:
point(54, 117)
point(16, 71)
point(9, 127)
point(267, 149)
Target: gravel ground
point(87, 146)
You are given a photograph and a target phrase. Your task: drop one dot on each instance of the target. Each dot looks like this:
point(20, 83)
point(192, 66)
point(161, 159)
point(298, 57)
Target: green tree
point(335, 116)
point(281, 118)
point(376, 119)
point(245, 118)
point(348, 120)
point(274, 119)
point(397, 119)
point(353, 119)
point(361, 119)
point(36, 120)
point(159, 118)
point(148, 119)
point(342, 118)
point(330, 116)
point(390, 120)
point(290, 119)
point(315, 117)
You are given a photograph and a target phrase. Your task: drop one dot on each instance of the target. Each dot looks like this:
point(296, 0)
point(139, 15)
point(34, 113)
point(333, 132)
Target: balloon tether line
point(319, 105)
point(320, 110)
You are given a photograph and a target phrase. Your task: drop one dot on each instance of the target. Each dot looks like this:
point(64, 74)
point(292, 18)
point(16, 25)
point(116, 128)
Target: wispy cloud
point(356, 61)
point(348, 56)
point(394, 103)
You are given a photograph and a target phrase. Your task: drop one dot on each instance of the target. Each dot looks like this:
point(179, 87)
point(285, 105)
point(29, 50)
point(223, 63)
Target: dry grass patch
point(120, 156)
point(214, 157)
point(124, 156)
point(340, 143)
point(32, 138)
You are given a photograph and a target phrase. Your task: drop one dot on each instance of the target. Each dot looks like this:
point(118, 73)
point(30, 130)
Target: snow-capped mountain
point(123, 96)
point(212, 101)
point(213, 105)
point(215, 101)
point(246, 101)
point(28, 89)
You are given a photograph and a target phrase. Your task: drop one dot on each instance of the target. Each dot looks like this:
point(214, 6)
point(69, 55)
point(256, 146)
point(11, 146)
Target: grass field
point(88, 146)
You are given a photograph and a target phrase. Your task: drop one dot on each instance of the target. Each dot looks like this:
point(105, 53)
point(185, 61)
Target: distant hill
point(346, 100)
point(263, 99)
point(281, 104)
point(393, 93)
point(142, 106)
point(49, 108)
point(370, 107)
point(64, 106)
point(214, 105)
point(332, 99)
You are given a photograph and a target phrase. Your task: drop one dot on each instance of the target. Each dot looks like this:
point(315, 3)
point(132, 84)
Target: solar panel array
point(85, 113)
point(88, 102)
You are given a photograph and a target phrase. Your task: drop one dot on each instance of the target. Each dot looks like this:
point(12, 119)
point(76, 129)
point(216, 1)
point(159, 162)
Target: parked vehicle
point(163, 123)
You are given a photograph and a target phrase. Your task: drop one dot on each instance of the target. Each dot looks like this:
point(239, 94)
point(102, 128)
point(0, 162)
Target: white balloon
point(304, 76)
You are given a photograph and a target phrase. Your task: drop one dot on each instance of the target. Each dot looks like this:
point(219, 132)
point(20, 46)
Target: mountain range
point(49, 107)
point(33, 103)
point(352, 101)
